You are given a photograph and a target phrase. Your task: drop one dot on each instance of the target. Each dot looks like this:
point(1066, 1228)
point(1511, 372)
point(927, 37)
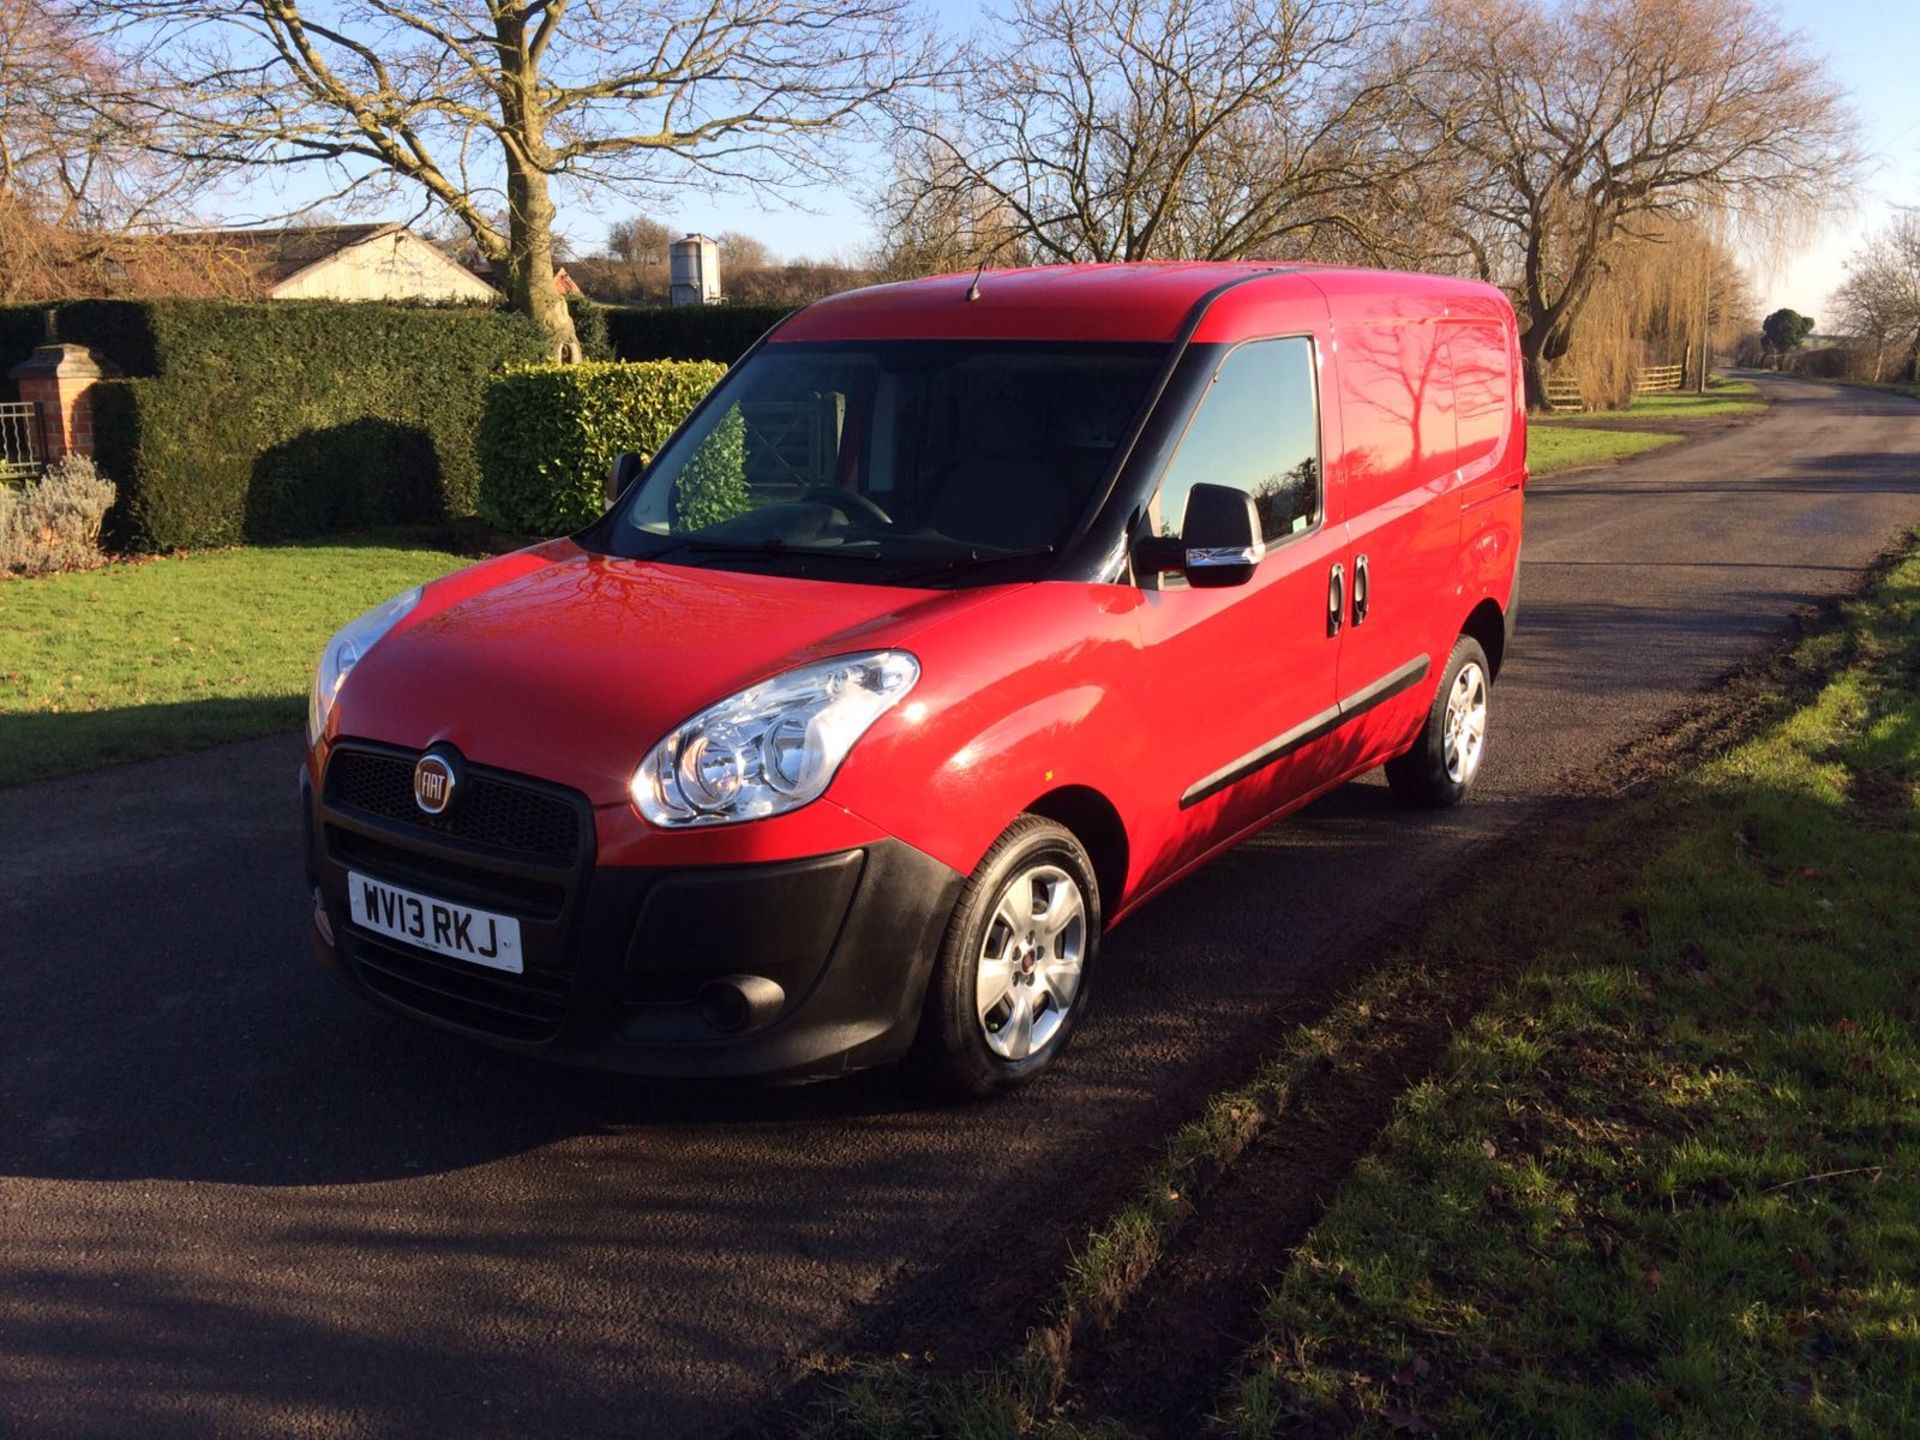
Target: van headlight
point(345, 650)
point(772, 748)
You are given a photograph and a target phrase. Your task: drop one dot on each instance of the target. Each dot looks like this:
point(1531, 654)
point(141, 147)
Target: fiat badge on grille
point(433, 782)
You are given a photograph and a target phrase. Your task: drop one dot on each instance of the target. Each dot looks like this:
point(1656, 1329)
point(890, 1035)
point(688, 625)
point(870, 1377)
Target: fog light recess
point(734, 1003)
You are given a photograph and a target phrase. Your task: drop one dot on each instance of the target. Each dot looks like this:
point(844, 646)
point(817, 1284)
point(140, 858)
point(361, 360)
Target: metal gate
point(22, 443)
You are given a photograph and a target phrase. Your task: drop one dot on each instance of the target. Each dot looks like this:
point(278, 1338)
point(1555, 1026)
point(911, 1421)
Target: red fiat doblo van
point(960, 619)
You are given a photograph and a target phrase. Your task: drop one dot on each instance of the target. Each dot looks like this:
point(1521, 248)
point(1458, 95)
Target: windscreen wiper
point(973, 559)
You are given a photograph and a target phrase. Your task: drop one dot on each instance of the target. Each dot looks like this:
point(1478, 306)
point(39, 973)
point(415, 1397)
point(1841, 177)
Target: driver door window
point(1257, 429)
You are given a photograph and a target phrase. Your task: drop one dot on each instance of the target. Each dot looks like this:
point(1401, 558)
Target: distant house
point(345, 262)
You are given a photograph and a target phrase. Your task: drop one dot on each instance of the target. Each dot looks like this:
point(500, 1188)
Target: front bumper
point(625, 965)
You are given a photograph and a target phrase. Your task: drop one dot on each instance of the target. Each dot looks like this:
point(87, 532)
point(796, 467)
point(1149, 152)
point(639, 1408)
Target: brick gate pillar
point(60, 379)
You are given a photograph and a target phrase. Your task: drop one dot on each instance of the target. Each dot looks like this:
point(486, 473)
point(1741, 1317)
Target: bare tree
point(1138, 129)
point(638, 240)
point(1879, 302)
point(1577, 128)
point(935, 219)
point(51, 142)
point(484, 105)
point(741, 251)
point(77, 188)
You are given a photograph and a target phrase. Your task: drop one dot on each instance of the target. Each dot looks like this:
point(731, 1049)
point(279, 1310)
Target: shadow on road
point(219, 1052)
point(1849, 474)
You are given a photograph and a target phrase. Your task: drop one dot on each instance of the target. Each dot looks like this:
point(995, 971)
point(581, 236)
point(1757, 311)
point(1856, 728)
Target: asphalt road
point(235, 1201)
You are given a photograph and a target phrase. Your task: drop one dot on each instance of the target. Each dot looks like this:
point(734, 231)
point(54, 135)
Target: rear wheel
point(1441, 766)
point(1010, 983)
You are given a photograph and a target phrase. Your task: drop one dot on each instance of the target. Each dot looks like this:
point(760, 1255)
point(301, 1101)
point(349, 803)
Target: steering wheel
point(846, 500)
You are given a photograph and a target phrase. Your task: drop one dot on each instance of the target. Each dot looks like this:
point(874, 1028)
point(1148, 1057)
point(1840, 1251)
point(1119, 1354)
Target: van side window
point(1257, 429)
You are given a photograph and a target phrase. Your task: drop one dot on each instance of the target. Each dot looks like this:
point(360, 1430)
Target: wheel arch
point(1488, 625)
point(1097, 825)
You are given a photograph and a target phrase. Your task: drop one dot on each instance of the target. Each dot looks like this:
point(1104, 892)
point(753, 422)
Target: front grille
point(486, 810)
point(527, 1007)
point(531, 899)
point(507, 843)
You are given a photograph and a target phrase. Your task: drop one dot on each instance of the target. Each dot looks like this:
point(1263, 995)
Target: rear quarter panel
point(1431, 460)
point(1493, 427)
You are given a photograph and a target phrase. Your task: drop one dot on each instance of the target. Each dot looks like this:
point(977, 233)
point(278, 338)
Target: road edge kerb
point(1112, 1267)
point(1899, 390)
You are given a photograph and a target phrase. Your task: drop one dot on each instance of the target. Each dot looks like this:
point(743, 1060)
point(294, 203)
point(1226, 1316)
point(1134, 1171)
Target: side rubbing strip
point(1384, 689)
point(1309, 730)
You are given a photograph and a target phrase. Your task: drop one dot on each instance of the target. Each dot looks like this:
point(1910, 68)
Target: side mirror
point(1219, 544)
point(622, 473)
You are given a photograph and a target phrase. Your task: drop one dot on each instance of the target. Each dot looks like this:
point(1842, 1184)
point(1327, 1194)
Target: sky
point(1870, 45)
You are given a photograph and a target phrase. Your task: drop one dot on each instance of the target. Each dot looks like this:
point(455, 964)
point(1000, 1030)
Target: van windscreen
point(890, 461)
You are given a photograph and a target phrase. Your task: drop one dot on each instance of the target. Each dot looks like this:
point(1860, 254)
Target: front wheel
point(1010, 983)
point(1440, 768)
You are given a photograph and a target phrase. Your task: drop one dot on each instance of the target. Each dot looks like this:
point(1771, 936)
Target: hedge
point(549, 434)
point(23, 328)
point(275, 419)
point(689, 332)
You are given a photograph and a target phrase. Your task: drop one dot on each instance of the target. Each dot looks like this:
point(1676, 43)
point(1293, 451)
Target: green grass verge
point(1723, 397)
point(148, 658)
point(1669, 1181)
point(1561, 446)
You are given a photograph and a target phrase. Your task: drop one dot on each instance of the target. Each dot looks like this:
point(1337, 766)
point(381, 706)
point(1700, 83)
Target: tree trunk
point(529, 258)
point(1533, 361)
point(529, 264)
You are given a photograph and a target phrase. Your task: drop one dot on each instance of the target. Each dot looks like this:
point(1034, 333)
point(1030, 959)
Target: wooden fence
point(1563, 391)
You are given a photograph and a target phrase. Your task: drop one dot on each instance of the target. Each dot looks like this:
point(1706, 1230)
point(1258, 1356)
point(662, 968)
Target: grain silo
point(693, 271)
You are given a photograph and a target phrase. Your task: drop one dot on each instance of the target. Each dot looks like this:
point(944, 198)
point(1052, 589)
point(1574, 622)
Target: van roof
point(1137, 301)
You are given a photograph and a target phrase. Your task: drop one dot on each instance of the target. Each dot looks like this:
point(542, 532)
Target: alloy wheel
point(1030, 962)
point(1464, 737)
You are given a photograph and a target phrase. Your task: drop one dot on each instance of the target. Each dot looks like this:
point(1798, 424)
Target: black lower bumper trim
point(848, 939)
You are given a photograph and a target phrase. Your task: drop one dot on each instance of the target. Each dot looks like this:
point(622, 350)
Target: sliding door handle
point(1336, 598)
point(1361, 588)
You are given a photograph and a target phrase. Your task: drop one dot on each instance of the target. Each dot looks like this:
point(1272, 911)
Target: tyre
point(1440, 768)
point(1010, 983)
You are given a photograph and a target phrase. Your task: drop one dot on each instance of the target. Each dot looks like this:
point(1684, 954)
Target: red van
point(960, 619)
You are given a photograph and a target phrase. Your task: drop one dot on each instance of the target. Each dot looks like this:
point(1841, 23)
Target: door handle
point(1336, 598)
point(1360, 588)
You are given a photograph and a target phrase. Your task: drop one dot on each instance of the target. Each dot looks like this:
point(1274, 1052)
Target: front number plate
point(441, 926)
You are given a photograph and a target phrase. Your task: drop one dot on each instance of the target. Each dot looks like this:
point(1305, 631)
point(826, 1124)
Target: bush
point(549, 434)
point(590, 328)
point(53, 523)
point(690, 332)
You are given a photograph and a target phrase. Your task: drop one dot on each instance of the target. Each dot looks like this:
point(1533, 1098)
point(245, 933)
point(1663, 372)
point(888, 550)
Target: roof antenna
point(973, 290)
